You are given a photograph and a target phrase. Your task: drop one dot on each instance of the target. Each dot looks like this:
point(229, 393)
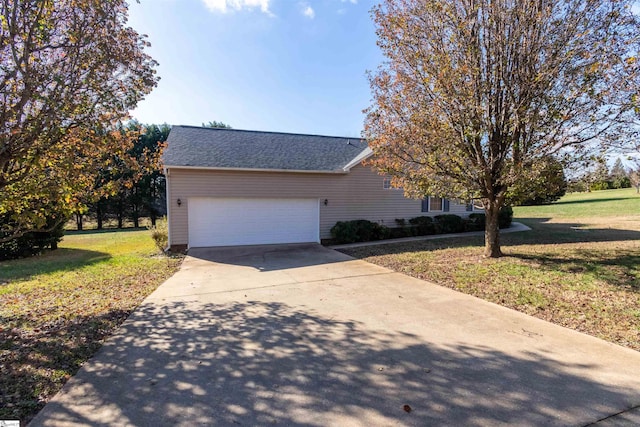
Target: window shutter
point(445, 205)
point(425, 205)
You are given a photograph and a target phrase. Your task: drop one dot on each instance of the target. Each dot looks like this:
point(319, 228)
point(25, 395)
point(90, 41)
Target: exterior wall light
point(179, 202)
point(326, 202)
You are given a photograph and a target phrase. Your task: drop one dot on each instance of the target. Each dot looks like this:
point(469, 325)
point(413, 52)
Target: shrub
point(33, 243)
point(449, 223)
point(505, 217)
point(403, 229)
point(475, 222)
point(160, 234)
point(600, 185)
point(359, 230)
point(422, 225)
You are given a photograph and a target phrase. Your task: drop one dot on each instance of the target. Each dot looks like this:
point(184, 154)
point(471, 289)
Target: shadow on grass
point(577, 202)
point(617, 266)
point(620, 268)
point(542, 233)
point(63, 259)
point(268, 363)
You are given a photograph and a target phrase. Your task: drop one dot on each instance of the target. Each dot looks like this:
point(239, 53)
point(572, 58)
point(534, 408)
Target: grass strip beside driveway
point(56, 309)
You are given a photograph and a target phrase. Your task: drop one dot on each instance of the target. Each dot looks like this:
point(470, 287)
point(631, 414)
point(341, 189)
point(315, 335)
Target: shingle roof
point(242, 149)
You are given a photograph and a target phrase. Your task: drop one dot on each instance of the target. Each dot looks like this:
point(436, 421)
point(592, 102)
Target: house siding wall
point(356, 195)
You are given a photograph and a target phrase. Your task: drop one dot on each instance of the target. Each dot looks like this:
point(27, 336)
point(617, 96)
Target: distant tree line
point(603, 178)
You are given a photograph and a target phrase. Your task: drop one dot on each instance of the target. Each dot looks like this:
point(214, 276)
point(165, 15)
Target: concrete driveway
point(306, 336)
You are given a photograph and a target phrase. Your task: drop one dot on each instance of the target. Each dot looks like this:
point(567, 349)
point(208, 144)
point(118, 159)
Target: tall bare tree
point(474, 92)
point(69, 71)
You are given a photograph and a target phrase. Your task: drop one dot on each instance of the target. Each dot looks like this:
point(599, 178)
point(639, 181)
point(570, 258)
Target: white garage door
point(231, 221)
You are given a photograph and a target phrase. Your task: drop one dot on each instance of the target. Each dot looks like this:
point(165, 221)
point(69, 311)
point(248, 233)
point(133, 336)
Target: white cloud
point(225, 5)
point(350, 1)
point(308, 11)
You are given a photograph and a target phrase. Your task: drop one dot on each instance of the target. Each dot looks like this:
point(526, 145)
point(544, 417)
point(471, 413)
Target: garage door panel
point(236, 221)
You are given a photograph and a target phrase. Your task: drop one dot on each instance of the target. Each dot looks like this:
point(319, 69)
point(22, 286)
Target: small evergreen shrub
point(449, 223)
point(359, 230)
point(33, 243)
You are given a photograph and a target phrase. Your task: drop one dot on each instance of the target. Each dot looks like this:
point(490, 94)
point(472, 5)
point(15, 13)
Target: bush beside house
point(362, 230)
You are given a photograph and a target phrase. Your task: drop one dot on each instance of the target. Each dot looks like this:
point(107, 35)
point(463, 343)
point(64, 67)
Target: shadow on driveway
point(268, 257)
point(269, 363)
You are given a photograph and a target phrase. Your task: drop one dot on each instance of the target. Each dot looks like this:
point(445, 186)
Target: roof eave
point(364, 154)
point(211, 168)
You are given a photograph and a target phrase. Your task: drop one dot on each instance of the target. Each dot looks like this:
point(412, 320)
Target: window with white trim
point(386, 183)
point(435, 204)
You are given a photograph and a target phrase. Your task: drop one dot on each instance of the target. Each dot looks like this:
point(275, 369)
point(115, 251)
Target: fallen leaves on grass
point(52, 322)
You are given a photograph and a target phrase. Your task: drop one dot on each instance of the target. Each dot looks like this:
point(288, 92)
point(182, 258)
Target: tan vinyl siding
point(355, 195)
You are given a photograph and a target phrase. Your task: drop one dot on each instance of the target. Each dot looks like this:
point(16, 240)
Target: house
point(236, 187)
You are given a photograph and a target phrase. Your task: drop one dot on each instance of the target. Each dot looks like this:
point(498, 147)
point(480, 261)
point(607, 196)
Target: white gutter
point(339, 171)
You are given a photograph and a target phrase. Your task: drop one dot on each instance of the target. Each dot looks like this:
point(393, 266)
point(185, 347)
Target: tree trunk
point(99, 214)
point(153, 219)
point(79, 221)
point(119, 214)
point(492, 231)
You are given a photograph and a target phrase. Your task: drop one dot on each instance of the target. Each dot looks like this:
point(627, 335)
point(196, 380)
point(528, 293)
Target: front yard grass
point(56, 309)
point(579, 267)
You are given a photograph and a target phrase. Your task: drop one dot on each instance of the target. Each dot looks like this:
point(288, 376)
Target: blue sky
point(275, 65)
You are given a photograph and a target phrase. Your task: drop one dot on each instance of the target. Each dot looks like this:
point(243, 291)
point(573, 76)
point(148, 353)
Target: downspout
point(168, 197)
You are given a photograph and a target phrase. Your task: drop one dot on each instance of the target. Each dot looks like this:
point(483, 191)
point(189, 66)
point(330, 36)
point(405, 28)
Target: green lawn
point(605, 203)
point(579, 267)
point(56, 309)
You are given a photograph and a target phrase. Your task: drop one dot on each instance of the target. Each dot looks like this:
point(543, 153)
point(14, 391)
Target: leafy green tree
point(216, 124)
point(147, 195)
point(70, 71)
point(619, 177)
point(130, 183)
point(471, 92)
point(541, 183)
point(599, 178)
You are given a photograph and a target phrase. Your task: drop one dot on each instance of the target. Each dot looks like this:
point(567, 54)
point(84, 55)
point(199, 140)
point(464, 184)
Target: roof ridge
point(269, 132)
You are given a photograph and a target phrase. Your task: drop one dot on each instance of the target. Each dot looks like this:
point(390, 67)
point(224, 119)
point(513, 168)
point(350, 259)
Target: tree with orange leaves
point(475, 93)
point(70, 72)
